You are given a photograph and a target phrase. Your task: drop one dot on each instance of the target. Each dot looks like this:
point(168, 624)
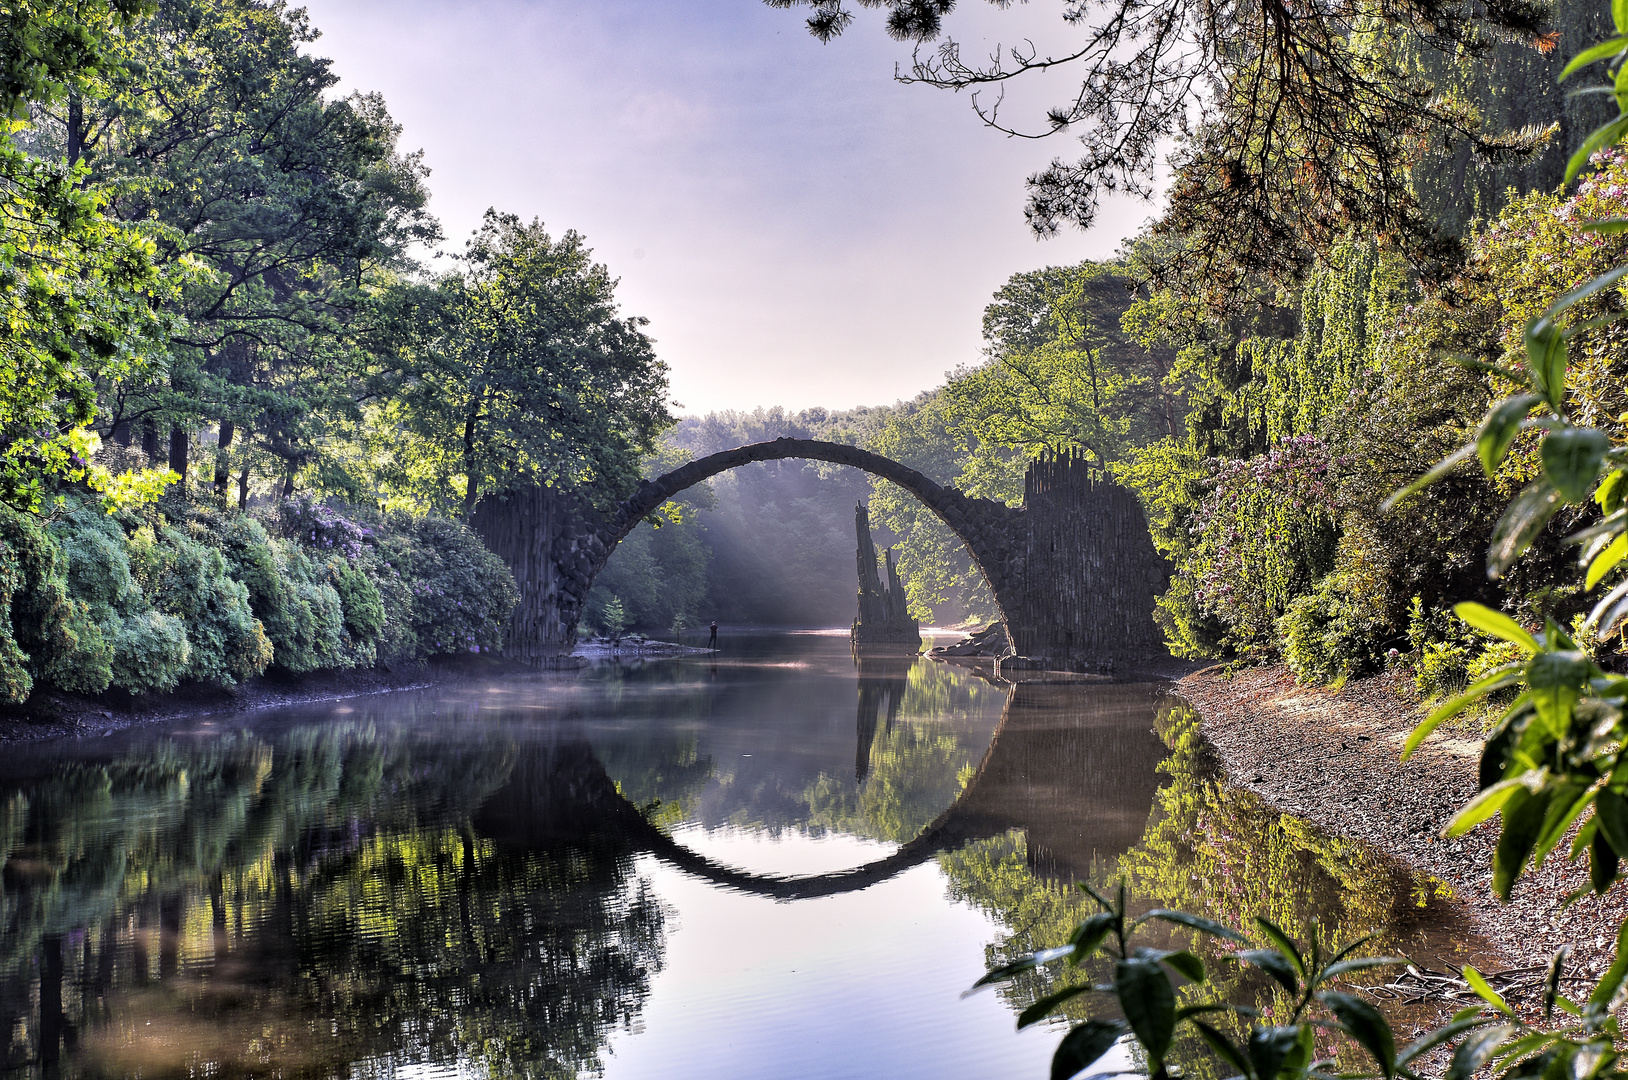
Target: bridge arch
point(568, 545)
point(1073, 570)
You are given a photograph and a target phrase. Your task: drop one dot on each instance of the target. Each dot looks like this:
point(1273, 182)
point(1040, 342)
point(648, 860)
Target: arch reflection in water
point(630, 871)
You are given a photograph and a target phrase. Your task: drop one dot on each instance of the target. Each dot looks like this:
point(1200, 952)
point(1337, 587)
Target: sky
point(800, 229)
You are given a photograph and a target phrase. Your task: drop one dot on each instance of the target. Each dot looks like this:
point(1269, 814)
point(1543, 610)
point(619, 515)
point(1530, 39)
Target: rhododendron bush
point(175, 592)
point(1263, 535)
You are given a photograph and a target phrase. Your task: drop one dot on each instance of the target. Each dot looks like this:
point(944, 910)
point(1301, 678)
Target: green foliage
point(1062, 373)
point(614, 616)
point(1261, 537)
point(225, 139)
point(940, 580)
point(191, 593)
point(151, 653)
point(79, 291)
point(1330, 633)
point(1145, 981)
point(183, 578)
point(521, 371)
point(460, 594)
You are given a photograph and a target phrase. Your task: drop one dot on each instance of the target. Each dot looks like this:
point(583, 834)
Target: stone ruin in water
point(884, 615)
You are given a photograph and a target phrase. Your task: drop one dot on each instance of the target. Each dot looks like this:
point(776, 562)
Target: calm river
point(770, 863)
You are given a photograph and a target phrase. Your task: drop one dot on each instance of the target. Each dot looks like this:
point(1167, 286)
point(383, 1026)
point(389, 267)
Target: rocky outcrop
point(884, 614)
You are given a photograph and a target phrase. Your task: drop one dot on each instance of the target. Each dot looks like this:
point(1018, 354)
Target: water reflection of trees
point(917, 743)
point(1209, 848)
point(325, 902)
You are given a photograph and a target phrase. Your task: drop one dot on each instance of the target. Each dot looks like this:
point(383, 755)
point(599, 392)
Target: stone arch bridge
point(1073, 569)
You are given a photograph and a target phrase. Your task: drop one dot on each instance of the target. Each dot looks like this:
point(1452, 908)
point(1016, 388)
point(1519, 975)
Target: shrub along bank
point(177, 592)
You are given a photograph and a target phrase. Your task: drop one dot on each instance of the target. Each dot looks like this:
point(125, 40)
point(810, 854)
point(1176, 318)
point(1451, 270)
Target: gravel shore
point(1332, 757)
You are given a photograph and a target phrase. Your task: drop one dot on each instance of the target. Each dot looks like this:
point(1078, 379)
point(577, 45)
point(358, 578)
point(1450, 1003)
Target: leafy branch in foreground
point(1145, 995)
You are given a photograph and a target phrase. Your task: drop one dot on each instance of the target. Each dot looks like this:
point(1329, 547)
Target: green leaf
point(1551, 981)
point(1602, 863)
point(1432, 1039)
point(1149, 1003)
point(1090, 934)
point(1497, 680)
point(1043, 1007)
point(1269, 1046)
point(1619, 15)
point(1584, 837)
point(1523, 819)
point(1520, 524)
point(1436, 472)
point(1496, 623)
point(1284, 943)
point(1275, 964)
point(1588, 289)
point(1476, 1050)
point(1611, 981)
point(1224, 1047)
point(1609, 494)
point(1611, 810)
point(1546, 359)
point(1366, 1025)
point(1190, 966)
point(1499, 428)
point(1570, 799)
point(1606, 226)
point(1192, 922)
point(1021, 964)
point(1483, 806)
point(1098, 897)
point(1611, 608)
point(1594, 54)
point(1300, 1058)
point(1084, 1045)
point(1571, 460)
point(1350, 947)
point(1479, 984)
point(1558, 679)
point(1334, 971)
point(1500, 740)
point(1608, 558)
point(1603, 136)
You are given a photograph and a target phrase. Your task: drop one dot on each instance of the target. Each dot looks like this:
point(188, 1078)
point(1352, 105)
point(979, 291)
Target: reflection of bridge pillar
point(880, 679)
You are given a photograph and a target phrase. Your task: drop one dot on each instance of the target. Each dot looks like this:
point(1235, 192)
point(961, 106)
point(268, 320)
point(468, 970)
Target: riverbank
point(50, 713)
point(1332, 757)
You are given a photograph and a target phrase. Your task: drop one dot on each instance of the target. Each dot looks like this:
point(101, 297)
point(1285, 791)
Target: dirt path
point(1332, 757)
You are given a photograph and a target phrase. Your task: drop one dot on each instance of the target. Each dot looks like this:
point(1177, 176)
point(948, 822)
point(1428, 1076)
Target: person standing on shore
point(712, 641)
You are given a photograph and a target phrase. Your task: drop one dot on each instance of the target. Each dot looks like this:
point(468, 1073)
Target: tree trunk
point(243, 489)
point(149, 438)
point(180, 447)
point(122, 433)
point(223, 474)
point(53, 1022)
point(534, 530)
point(76, 129)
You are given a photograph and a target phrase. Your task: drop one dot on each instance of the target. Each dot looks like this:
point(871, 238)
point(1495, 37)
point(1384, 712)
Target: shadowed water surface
point(771, 863)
